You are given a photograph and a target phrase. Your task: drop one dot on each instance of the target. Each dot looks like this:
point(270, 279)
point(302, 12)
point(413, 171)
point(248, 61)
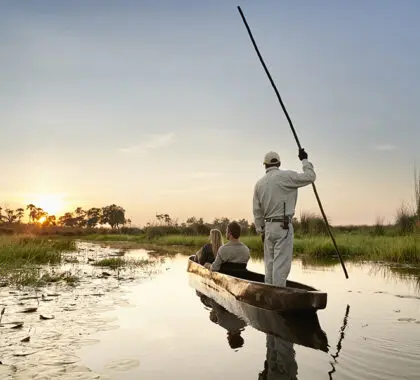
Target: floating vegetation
point(118, 262)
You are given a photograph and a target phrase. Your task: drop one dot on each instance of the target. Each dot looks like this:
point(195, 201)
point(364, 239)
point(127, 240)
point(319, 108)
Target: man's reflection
point(280, 360)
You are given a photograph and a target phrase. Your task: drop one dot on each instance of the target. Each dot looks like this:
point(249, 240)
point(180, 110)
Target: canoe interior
point(258, 277)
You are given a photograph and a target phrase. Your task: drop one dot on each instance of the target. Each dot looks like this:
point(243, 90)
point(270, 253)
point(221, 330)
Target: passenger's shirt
point(275, 194)
point(231, 252)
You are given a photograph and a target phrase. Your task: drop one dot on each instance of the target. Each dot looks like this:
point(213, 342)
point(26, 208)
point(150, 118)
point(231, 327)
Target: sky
point(163, 106)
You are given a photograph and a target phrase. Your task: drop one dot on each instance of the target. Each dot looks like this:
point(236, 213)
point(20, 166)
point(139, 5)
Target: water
point(158, 327)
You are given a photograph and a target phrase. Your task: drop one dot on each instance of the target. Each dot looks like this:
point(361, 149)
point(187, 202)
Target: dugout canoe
point(249, 287)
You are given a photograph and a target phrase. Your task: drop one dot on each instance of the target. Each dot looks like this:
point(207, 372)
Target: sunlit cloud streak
point(151, 142)
point(385, 147)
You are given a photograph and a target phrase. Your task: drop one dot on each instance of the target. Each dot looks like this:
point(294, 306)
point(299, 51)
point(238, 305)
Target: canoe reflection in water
point(282, 330)
point(280, 361)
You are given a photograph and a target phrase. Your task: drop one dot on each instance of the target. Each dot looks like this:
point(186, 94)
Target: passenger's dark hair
point(235, 229)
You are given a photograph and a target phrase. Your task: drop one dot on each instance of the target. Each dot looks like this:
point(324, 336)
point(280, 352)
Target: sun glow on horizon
point(53, 204)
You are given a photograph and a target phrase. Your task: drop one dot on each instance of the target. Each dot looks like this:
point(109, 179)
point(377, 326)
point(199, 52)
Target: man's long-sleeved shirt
point(231, 252)
point(275, 194)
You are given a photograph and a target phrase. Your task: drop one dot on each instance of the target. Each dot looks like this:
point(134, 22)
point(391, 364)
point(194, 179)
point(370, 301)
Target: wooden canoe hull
point(252, 290)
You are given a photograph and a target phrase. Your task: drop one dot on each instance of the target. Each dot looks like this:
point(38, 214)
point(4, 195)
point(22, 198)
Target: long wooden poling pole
point(294, 134)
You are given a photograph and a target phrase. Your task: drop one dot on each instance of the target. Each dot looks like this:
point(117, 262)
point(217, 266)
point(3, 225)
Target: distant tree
point(164, 219)
point(191, 220)
point(80, 217)
point(50, 220)
point(32, 212)
point(93, 217)
point(252, 229)
point(67, 220)
point(197, 225)
point(221, 223)
point(19, 212)
point(11, 216)
point(113, 215)
point(245, 227)
point(40, 213)
point(1, 215)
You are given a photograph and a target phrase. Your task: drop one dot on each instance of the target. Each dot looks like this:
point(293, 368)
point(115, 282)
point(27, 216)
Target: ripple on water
point(380, 357)
point(122, 364)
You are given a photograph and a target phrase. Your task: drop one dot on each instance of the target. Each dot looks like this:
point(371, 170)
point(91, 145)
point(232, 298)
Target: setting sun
point(53, 204)
point(42, 220)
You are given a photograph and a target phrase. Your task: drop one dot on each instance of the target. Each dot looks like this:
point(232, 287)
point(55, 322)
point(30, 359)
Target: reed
point(31, 250)
point(21, 258)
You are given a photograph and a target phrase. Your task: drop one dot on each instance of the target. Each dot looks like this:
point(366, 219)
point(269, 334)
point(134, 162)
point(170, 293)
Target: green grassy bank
point(21, 256)
point(399, 249)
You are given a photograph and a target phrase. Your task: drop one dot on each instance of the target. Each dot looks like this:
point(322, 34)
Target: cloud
point(385, 147)
point(150, 142)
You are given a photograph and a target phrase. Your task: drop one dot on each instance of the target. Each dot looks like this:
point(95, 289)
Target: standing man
point(274, 203)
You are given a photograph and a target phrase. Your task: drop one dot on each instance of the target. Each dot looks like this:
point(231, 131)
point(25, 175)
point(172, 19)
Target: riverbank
point(27, 260)
point(395, 249)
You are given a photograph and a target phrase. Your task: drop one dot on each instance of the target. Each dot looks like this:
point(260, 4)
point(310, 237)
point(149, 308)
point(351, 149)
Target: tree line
point(112, 215)
point(197, 225)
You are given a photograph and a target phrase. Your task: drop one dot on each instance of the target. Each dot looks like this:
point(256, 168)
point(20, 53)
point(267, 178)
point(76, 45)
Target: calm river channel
point(159, 325)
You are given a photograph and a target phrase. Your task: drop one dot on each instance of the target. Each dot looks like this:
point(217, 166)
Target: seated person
point(207, 252)
point(233, 255)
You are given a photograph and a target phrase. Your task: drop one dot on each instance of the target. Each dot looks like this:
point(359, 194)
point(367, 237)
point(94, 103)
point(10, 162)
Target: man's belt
point(269, 220)
point(285, 221)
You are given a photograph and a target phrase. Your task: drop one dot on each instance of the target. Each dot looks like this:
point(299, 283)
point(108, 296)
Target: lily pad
point(45, 317)
point(29, 310)
point(12, 325)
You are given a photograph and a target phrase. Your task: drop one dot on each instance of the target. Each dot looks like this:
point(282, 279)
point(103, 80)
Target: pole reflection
point(339, 343)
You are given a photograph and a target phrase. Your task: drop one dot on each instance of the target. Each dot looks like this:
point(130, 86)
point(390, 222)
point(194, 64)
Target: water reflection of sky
point(167, 333)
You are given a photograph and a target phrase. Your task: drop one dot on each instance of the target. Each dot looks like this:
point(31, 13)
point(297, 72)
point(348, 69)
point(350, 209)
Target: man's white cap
point(271, 158)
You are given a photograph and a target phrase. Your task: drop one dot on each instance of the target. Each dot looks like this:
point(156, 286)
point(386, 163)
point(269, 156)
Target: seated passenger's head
point(233, 230)
point(216, 239)
point(271, 159)
point(235, 340)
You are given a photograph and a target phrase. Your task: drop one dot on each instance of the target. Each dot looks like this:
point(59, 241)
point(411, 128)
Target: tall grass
point(406, 220)
point(21, 256)
point(28, 250)
point(311, 224)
